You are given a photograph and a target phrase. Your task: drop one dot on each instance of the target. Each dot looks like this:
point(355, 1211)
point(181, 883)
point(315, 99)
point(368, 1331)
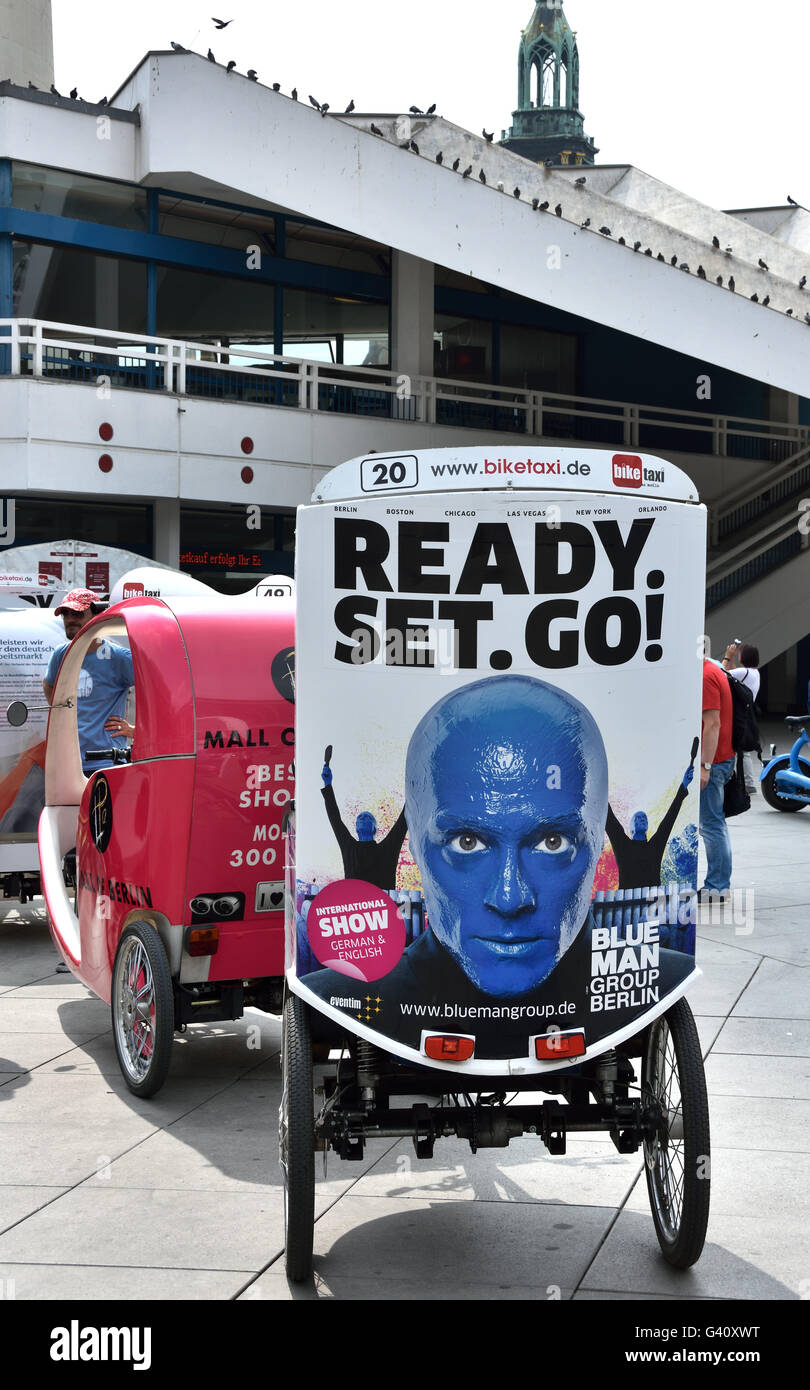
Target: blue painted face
point(366, 826)
point(640, 824)
point(506, 800)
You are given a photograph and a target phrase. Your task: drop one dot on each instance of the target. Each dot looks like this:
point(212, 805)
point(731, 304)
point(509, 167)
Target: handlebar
point(111, 755)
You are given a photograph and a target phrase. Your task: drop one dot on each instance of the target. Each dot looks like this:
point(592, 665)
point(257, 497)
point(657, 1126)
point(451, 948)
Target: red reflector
point(553, 1047)
point(203, 941)
point(448, 1047)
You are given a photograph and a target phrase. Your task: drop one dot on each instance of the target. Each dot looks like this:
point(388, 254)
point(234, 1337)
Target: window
point(462, 348)
point(65, 194)
point(335, 328)
point(81, 287)
point(124, 526)
point(218, 226)
point(214, 308)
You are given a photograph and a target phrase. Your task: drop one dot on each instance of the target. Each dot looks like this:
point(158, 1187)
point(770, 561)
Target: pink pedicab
point(178, 910)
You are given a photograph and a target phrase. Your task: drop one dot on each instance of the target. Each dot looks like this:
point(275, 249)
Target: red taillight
point(203, 941)
point(448, 1047)
point(555, 1047)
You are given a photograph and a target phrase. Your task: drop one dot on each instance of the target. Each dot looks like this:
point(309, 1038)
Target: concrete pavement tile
point(591, 1173)
point(18, 970)
point(725, 973)
point(741, 1260)
point(469, 1247)
point(777, 991)
point(767, 1185)
point(778, 934)
point(761, 1124)
point(101, 1282)
point(78, 1019)
point(708, 1030)
point(54, 987)
point(610, 1296)
point(791, 948)
point(8, 1077)
point(273, 1286)
point(73, 1100)
point(17, 1202)
point(730, 1075)
point(23, 1051)
point(66, 1154)
point(205, 1050)
point(780, 1037)
point(167, 1230)
point(230, 1143)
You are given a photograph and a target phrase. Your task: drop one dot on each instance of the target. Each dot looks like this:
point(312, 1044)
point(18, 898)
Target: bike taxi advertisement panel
point(497, 722)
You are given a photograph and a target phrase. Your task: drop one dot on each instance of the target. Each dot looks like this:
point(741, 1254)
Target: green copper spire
point(548, 123)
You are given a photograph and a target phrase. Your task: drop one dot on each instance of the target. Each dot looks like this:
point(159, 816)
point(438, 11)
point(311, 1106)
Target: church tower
point(548, 124)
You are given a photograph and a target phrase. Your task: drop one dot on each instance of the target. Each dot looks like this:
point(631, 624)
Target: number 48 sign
point(377, 473)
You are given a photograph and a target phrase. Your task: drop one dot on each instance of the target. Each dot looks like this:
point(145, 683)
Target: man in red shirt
point(716, 767)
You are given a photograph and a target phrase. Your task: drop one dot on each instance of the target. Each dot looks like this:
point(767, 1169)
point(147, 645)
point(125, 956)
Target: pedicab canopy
point(497, 719)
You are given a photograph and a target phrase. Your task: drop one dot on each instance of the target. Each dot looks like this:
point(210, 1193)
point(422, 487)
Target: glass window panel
point(217, 547)
point(65, 194)
point(537, 359)
point(68, 286)
point(229, 227)
point(43, 519)
point(212, 308)
point(331, 246)
point(462, 348)
point(334, 328)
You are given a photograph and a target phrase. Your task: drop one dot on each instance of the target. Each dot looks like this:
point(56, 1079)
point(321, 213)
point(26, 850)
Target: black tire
point(296, 1139)
point(676, 1157)
point(768, 785)
point(142, 1007)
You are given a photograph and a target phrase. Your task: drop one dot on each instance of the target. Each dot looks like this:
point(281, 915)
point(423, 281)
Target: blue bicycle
point(786, 778)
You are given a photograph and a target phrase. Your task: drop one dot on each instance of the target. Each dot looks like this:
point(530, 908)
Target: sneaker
point(752, 791)
point(713, 895)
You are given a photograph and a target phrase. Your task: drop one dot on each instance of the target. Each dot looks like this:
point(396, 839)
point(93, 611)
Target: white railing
point(767, 538)
point(38, 347)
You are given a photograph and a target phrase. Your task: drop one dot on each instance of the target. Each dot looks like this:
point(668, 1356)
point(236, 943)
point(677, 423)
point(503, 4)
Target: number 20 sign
point(378, 473)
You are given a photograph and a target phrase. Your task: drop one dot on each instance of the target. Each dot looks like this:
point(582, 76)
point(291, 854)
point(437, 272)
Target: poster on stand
point(497, 725)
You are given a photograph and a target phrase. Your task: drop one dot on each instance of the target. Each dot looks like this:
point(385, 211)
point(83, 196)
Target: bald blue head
point(506, 800)
point(366, 826)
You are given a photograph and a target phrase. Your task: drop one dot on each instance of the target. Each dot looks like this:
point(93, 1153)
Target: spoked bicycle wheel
point(676, 1157)
point(296, 1139)
point(142, 1009)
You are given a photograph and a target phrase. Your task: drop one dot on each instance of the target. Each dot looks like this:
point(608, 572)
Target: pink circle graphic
point(356, 929)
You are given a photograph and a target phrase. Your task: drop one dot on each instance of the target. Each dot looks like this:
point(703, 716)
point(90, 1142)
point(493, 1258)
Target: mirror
point(17, 713)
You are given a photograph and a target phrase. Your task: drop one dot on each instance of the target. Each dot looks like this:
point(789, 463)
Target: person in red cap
point(104, 681)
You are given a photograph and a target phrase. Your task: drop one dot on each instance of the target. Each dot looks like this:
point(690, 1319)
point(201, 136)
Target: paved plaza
point(105, 1196)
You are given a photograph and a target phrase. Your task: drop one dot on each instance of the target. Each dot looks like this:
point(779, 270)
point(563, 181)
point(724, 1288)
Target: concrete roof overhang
point(203, 127)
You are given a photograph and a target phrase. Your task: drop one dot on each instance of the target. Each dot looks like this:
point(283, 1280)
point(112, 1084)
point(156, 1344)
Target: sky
point(707, 97)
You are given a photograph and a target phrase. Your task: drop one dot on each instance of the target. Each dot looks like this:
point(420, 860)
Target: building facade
point(194, 328)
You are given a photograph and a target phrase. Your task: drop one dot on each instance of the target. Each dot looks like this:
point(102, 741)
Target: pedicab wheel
point(676, 1156)
point(296, 1139)
point(768, 785)
point(142, 1009)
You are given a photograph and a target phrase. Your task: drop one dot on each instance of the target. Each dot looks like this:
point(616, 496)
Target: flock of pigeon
point(536, 203)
